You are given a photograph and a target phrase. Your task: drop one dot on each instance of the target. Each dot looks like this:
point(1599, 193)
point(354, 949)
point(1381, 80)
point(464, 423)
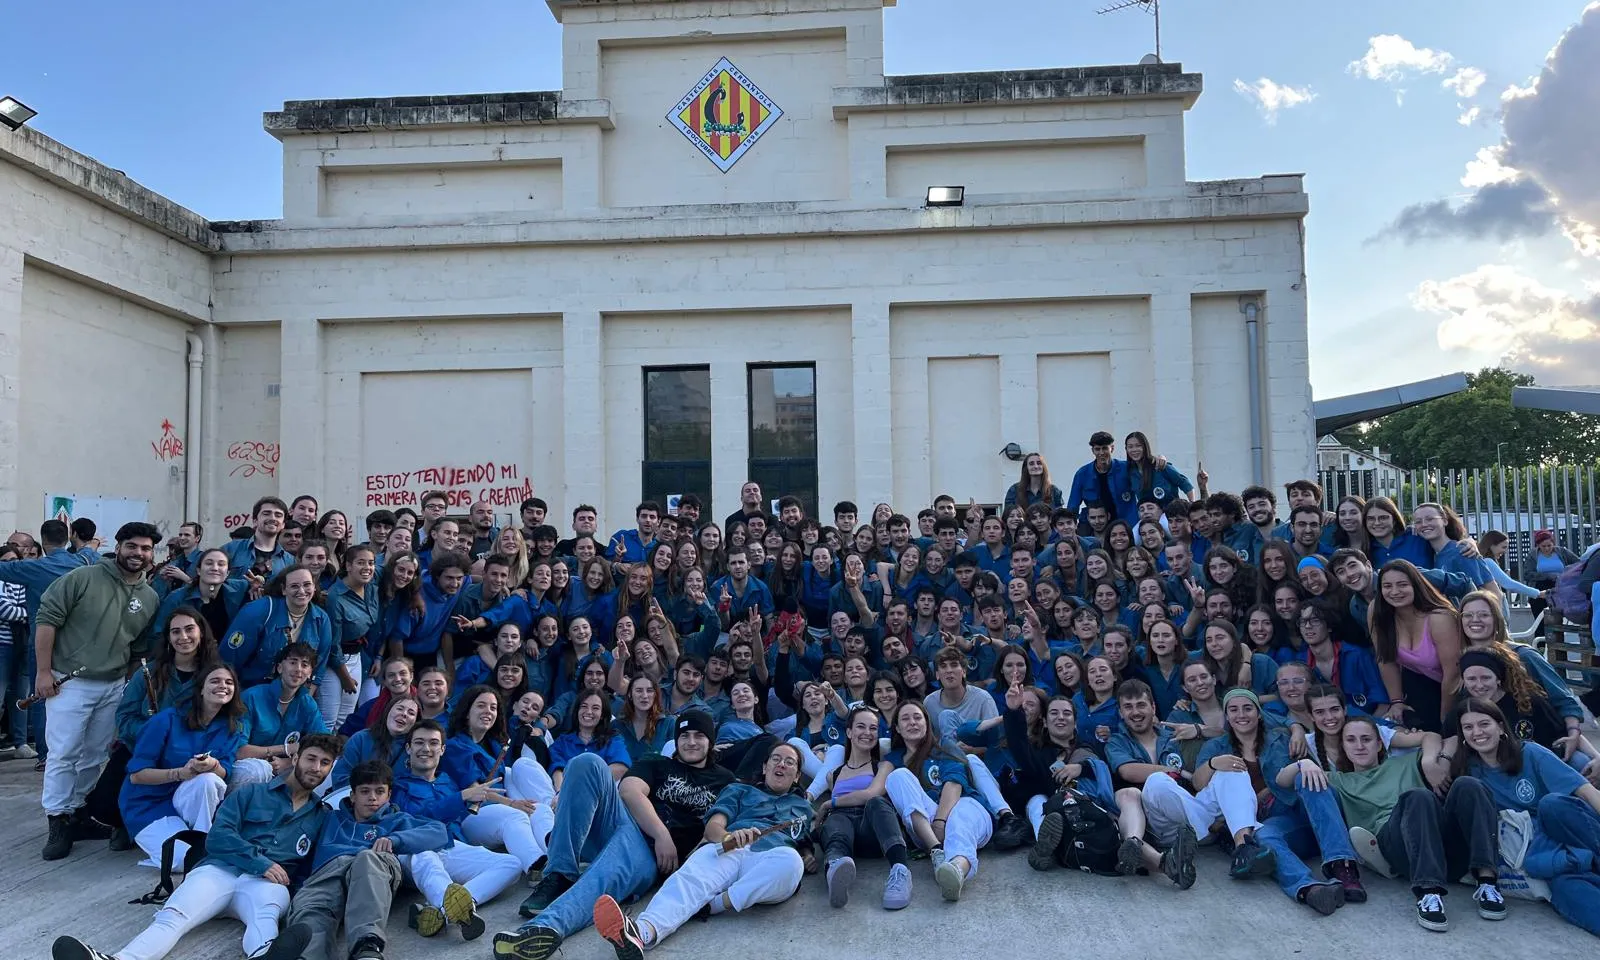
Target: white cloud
point(1487, 168)
point(1469, 117)
point(1271, 97)
point(1496, 309)
point(1465, 82)
point(1392, 57)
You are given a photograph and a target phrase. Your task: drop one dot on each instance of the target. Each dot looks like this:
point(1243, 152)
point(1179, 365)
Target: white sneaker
point(1366, 845)
point(948, 876)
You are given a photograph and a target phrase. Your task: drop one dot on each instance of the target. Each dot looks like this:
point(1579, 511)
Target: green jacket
point(100, 620)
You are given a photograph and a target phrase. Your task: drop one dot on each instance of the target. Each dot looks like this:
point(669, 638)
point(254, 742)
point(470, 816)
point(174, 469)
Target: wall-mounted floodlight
point(947, 196)
point(14, 113)
point(1012, 451)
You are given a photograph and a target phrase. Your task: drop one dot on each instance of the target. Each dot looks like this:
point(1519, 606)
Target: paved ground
point(1009, 908)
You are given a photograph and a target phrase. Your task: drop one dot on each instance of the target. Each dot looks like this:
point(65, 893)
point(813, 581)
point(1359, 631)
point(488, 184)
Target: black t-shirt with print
point(682, 795)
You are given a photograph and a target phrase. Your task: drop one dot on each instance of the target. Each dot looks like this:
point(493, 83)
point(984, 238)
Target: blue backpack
point(1568, 598)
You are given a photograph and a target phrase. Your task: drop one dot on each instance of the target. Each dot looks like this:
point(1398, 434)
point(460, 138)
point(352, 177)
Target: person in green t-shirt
point(1399, 826)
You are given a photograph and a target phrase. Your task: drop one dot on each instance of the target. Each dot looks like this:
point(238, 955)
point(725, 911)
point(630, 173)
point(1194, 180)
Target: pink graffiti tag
point(170, 446)
point(251, 457)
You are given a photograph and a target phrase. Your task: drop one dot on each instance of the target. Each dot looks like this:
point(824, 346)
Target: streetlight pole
point(1497, 448)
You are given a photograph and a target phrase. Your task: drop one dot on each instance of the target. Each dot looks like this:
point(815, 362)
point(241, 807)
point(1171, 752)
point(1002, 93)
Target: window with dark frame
point(783, 431)
point(677, 433)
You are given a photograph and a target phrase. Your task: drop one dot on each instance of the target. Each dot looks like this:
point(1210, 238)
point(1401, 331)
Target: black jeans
point(871, 829)
point(102, 800)
point(1436, 843)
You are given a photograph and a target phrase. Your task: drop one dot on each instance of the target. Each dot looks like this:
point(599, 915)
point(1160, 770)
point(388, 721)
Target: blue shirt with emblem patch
point(1543, 774)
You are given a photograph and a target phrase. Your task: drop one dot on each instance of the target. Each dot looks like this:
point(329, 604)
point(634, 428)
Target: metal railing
point(1515, 501)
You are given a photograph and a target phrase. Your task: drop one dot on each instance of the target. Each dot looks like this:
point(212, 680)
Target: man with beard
point(629, 834)
point(1138, 750)
point(91, 624)
point(261, 553)
point(259, 845)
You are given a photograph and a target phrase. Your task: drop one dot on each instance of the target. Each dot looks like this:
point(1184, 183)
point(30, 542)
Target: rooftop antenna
point(1152, 7)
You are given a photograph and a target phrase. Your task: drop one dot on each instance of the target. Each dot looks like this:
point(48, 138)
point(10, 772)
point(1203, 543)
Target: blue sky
point(172, 93)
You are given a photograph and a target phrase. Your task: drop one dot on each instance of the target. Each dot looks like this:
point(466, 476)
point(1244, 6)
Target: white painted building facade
point(472, 292)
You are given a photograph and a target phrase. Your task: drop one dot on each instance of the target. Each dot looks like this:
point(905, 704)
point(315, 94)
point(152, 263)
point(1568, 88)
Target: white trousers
point(968, 827)
point(334, 703)
point(1036, 811)
point(497, 825)
point(251, 770)
point(747, 877)
point(196, 802)
point(212, 891)
point(1168, 806)
point(484, 873)
point(987, 786)
point(80, 723)
point(527, 780)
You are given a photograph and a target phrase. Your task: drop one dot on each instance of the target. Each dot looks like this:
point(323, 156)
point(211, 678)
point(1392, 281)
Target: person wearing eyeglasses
point(1350, 668)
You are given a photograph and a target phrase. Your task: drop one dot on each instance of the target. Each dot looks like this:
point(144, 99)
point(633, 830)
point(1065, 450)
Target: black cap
point(696, 720)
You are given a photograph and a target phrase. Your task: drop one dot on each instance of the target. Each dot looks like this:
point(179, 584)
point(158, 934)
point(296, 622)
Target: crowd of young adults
point(301, 721)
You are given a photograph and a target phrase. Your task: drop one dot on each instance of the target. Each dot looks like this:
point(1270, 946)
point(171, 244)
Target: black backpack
point(1090, 840)
point(197, 852)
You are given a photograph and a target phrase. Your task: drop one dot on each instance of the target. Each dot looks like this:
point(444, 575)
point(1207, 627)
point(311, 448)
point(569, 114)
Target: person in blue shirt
point(480, 667)
point(1151, 478)
point(260, 845)
point(261, 556)
point(1446, 536)
point(477, 752)
point(1389, 539)
point(752, 855)
point(1350, 668)
point(631, 599)
point(932, 792)
point(285, 615)
point(588, 730)
point(1102, 482)
point(209, 591)
point(629, 546)
point(1524, 776)
point(384, 740)
point(420, 635)
point(183, 554)
point(481, 607)
point(276, 716)
point(356, 869)
point(738, 592)
point(1233, 664)
point(642, 727)
point(1032, 487)
point(352, 607)
point(168, 682)
point(1140, 749)
point(991, 552)
point(1096, 703)
point(177, 775)
point(456, 879)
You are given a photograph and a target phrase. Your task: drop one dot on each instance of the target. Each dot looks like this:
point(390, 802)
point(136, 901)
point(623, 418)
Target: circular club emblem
point(1359, 700)
point(1160, 493)
point(1524, 730)
point(1173, 760)
point(237, 640)
point(933, 774)
point(833, 734)
point(972, 663)
point(1524, 790)
point(797, 829)
point(1127, 496)
point(303, 845)
point(135, 605)
point(370, 835)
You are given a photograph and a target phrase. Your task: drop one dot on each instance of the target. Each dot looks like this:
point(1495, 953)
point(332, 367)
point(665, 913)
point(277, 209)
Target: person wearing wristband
point(276, 716)
point(1139, 751)
point(1223, 791)
point(932, 791)
point(857, 817)
point(177, 775)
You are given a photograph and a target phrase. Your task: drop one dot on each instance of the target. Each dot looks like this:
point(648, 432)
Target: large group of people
point(301, 721)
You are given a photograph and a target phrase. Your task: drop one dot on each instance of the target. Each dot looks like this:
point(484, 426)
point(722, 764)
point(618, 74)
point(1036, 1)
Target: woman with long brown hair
point(1032, 486)
point(1417, 640)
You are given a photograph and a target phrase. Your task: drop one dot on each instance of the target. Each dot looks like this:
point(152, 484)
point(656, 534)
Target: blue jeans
point(593, 824)
point(13, 687)
point(1314, 823)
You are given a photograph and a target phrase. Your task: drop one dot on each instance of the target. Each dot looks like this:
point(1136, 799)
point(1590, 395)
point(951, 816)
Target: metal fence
point(1515, 501)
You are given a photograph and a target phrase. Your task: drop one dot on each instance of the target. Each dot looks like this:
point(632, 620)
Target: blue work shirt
point(1124, 747)
point(261, 631)
point(467, 761)
point(628, 546)
point(568, 746)
point(1543, 775)
point(745, 806)
point(422, 635)
point(1104, 715)
point(242, 556)
point(358, 750)
point(1405, 545)
point(257, 827)
point(1356, 674)
point(135, 708)
point(938, 768)
point(38, 574)
point(437, 799)
point(755, 594)
point(234, 595)
point(1085, 492)
point(265, 727)
point(166, 743)
point(352, 616)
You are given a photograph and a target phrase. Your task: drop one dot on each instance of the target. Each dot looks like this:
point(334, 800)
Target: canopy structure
point(1336, 413)
point(1561, 399)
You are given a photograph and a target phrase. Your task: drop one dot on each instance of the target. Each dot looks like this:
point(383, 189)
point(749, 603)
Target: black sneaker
point(527, 943)
point(121, 841)
point(1010, 832)
point(85, 827)
point(1251, 859)
point(1178, 860)
point(1430, 913)
point(618, 929)
point(289, 944)
point(460, 908)
point(1043, 855)
point(59, 843)
point(426, 919)
point(367, 948)
point(545, 892)
point(1130, 856)
point(1324, 897)
point(71, 948)
point(1491, 905)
